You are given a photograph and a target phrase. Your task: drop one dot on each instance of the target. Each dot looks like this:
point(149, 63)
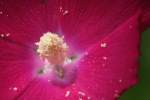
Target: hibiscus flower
point(70, 49)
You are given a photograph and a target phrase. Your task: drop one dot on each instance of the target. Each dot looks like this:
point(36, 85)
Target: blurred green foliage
point(142, 90)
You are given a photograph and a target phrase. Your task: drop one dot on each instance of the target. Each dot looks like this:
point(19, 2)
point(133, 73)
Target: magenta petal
point(23, 20)
point(88, 21)
point(146, 13)
point(106, 71)
point(14, 78)
point(13, 51)
point(103, 73)
point(36, 91)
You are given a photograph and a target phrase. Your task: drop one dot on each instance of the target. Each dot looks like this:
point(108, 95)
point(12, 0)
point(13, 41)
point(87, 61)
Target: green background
point(142, 90)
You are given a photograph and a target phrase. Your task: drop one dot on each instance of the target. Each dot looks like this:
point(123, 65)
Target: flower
point(98, 42)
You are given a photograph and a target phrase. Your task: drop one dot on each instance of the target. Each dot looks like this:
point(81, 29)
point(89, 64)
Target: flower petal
point(103, 74)
point(86, 22)
point(108, 70)
point(13, 51)
point(121, 53)
point(146, 13)
point(23, 20)
point(14, 77)
point(36, 91)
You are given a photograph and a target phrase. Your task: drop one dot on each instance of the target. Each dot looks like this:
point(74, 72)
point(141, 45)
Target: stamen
point(58, 63)
point(52, 48)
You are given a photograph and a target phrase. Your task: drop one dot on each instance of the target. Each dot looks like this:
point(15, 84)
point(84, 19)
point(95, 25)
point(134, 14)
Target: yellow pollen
point(52, 48)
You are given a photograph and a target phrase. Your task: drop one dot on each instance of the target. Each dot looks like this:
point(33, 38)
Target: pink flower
point(99, 48)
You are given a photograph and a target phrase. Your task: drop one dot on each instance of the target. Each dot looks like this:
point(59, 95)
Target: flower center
point(52, 48)
point(59, 66)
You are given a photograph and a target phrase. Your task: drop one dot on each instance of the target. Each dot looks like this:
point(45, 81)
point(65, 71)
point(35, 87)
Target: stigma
point(52, 48)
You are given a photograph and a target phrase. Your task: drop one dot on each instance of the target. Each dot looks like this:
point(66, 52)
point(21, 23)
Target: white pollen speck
point(7, 15)
point(48, 80)
point(2, 35)
point(65, 12)
point(14, 88)
point(37, 43)
point(120, 81)
point(1, 12)
point(81, 93)
point(8, 34)
point(60, 9)
point(67, 93)
point(103, 45)
point(104, 57)
point(89, 98)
